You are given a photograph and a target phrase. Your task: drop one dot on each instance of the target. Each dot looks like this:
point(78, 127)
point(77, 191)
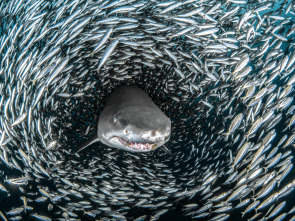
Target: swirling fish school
point(222, 71)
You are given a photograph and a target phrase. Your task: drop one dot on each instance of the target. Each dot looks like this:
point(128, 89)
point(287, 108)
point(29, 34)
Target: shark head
point(131, 121)
point(135, 129)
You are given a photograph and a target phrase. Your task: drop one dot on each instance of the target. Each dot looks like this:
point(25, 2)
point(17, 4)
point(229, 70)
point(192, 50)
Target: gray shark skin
point(131, 121)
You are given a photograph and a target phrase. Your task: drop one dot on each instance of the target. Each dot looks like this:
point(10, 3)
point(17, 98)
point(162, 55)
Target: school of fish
point(222, 71)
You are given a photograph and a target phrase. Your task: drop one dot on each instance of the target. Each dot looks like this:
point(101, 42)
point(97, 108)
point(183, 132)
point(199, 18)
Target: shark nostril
point(126, 131)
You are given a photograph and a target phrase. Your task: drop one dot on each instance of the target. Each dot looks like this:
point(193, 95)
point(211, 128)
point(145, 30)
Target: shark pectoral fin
point(92, 140)
point(165, 149)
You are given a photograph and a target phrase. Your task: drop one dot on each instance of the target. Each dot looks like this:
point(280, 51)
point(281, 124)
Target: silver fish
point(217, 70)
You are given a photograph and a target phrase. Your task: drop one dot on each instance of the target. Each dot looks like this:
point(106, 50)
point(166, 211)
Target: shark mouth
point(137, 146)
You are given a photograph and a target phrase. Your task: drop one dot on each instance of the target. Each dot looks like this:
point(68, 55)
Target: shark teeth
point(136, 146)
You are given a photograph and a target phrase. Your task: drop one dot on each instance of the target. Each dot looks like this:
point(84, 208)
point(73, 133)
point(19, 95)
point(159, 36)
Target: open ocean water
point(222, 71)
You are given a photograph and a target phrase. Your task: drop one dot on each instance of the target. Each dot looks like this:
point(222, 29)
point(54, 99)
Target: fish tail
point(248, 169)
point(265, 168)
point(232, 169)
point(226, 135)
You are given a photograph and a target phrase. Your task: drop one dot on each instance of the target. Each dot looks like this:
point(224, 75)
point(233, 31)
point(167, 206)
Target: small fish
point(254, 127)
point(19, 181)
point(242, 63)
point(19, 119)
point(234, 124)
point(41, 217)
point(242, 152)
point(15, 211)
point(206, 32)
point(103, 40)
point(219, 69)
point(108, 52)
point(277, 209)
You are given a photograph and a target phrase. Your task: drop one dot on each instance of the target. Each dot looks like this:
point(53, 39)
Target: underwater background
point(222, 71)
